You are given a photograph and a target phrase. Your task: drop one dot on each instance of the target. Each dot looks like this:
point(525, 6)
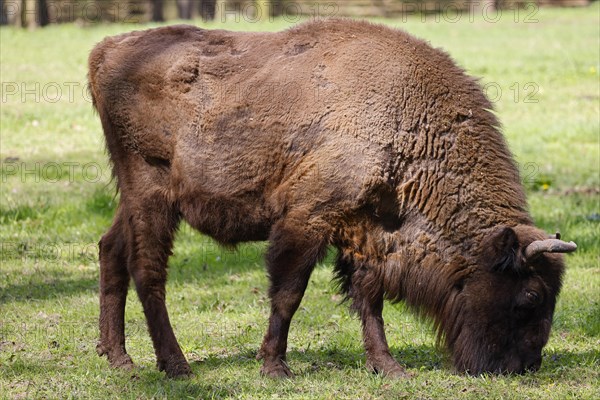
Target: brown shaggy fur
point(333, 133)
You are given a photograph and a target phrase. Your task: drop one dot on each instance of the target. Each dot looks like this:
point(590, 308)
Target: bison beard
point(349, 135)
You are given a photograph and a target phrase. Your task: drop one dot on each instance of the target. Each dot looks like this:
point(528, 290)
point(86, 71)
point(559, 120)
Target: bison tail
point(95, 62)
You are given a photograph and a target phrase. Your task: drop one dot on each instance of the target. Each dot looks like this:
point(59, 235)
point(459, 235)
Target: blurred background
point(36, 13)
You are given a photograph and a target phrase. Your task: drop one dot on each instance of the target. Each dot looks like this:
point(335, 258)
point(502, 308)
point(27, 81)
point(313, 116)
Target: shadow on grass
point(586, 322)
point(53, 286)
point(231, 375)
point(39, 380)
point(322, 362)
point(306, 362)
point(423, 358)
point(557, 361)
point(198, 257)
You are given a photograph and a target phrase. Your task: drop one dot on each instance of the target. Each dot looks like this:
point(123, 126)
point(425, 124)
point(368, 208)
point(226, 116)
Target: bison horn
point(536, 248)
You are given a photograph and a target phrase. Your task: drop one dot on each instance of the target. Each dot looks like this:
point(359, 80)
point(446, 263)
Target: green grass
point(56, 200)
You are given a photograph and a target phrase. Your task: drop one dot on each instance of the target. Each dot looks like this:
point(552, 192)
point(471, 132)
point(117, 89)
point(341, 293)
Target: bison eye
point(532, 297)
point(526, 303)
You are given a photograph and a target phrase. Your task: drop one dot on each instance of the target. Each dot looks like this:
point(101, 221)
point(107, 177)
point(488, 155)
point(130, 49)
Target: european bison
point(333, 133)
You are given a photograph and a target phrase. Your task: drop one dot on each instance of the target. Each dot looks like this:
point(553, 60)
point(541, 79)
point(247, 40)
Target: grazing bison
point(334, 133)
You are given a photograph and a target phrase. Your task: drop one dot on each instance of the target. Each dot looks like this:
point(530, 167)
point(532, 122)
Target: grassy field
point(56, 200)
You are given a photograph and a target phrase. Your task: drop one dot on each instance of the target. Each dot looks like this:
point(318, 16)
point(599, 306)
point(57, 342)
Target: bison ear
point(502, 251)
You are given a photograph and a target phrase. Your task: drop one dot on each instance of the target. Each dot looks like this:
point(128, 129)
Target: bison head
point(502, 310)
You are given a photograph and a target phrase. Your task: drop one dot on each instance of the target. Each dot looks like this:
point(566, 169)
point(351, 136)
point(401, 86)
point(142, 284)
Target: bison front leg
point(379, 358)
point(114, 281)
point(152, 226)
point(367, 300)
point(291, 258)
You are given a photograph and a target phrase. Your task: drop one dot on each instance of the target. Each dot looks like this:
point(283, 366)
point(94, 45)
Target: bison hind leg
point(114, 282)
point(151, 227)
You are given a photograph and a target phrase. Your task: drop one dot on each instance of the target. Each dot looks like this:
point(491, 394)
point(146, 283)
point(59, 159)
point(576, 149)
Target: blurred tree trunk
point(157, 11)
point(28, 14)
point(264, 9)
point(207, 9)
point(381, 7)
point(34, 13)
point(185, 9)
point(3, 14)
point(277, 7)
point(44, 18)
point(488, 5)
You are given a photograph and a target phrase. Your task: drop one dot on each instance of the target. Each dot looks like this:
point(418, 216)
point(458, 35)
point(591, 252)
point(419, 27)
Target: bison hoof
point(276, 369)
point(175, 368)
point(122, 362)
point(389, 369)
point(399, 373)
point(116, 359)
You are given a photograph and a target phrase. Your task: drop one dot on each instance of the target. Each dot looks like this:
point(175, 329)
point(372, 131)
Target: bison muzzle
point(333, 134)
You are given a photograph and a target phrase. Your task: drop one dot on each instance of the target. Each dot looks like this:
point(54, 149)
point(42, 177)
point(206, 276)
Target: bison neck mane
point(420, 268)
point(445, 209)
